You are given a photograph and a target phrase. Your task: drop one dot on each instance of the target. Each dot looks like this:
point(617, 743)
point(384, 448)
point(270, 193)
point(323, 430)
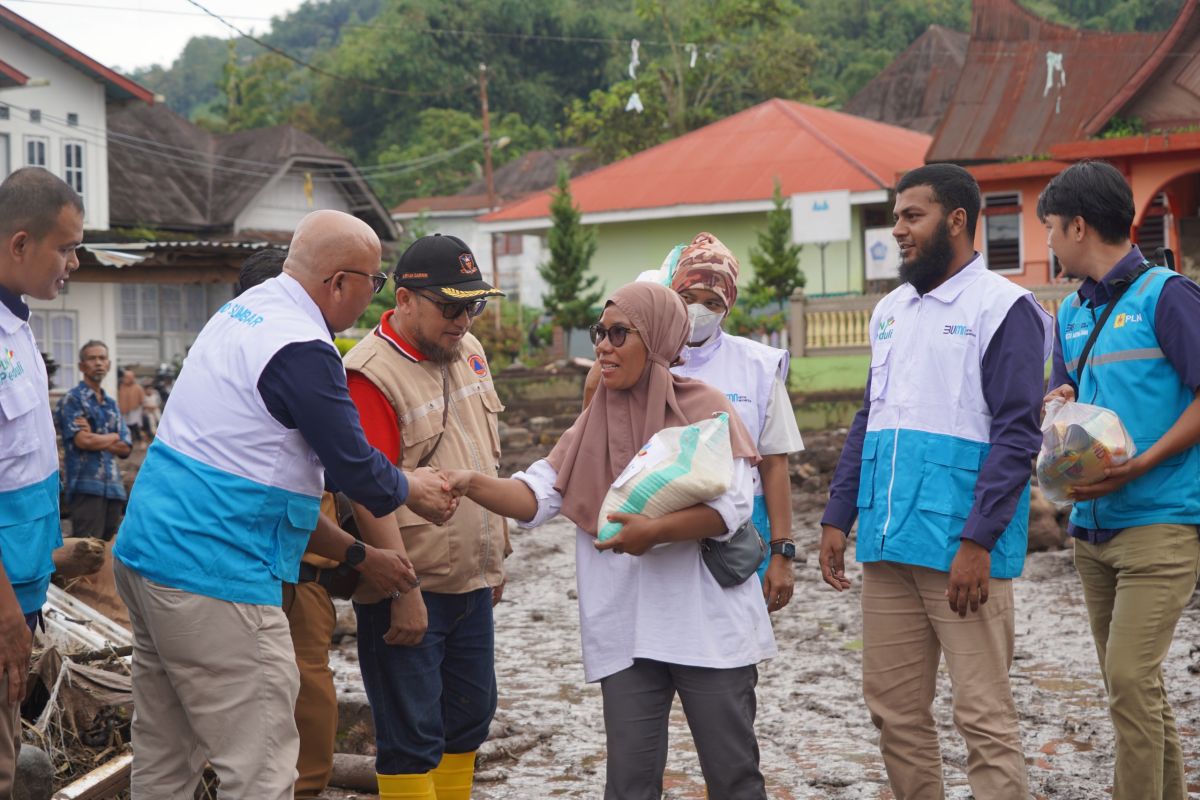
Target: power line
point(164, 11)
point(324, 72)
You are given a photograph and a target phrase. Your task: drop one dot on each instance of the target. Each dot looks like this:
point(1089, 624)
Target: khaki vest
point(467, 553)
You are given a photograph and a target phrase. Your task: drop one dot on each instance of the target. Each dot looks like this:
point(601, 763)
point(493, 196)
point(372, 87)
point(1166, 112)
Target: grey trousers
point(720, 707)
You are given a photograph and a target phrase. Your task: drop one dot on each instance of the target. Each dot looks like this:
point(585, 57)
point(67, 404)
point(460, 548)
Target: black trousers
point(95, 516)
point(720, 707)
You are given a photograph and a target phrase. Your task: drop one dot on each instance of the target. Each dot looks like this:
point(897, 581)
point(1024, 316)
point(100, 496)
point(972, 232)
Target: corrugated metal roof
point(914, 90)
point(1013, 99)
point(737, 159)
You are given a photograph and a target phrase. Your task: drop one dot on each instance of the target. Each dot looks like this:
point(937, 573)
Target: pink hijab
point(611, 430)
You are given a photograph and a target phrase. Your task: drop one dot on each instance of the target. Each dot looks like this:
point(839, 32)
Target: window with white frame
point(139, 308)
point(73, 164)
point(35, 151)
point(1002, 232)
point(56, 334)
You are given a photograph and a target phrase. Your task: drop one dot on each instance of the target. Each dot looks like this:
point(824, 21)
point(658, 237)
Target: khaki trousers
point(311, 616)
point(10, 739)
point(1136, 586)
point(212, 680)
point(907, 626)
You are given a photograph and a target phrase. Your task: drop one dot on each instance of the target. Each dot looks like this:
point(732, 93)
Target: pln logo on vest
point(477, 365)
point(1121, 320)
point(887, 327)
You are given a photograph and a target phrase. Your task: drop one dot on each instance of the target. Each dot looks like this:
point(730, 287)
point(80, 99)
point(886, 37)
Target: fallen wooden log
point(104, 781)
point(354, 772)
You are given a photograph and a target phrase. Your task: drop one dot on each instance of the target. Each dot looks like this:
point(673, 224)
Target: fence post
point(797, 324)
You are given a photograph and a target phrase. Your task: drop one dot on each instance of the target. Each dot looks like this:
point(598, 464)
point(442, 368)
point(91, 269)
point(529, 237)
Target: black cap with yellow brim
point(443, 264)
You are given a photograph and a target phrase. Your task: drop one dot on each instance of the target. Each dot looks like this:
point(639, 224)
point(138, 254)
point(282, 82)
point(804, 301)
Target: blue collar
point(1097, 293)
point(15, 304)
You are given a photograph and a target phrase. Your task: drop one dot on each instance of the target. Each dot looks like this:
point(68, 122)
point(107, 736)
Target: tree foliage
point(572, 291)
point(775, 258)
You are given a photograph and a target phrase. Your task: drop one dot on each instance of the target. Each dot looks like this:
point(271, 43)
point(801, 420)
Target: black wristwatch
point(785, 549)
point(355, 554)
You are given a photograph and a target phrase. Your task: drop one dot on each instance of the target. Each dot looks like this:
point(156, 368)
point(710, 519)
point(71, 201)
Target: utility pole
point(487, 177)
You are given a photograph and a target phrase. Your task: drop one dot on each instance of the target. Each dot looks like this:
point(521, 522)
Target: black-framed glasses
point(452, 310)
point(378, 279)
point(616, 333)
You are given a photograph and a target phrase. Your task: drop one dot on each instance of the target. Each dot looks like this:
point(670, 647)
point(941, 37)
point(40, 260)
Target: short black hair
point(31, 199)
point(953, 187)
point(1094, 190)
point(89, 344)
point(259, 267)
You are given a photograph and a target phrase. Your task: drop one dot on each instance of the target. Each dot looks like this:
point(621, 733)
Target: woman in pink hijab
point(654, 621)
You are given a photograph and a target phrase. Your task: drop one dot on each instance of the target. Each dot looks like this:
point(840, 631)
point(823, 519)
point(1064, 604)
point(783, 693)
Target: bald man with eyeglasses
point(424, 393)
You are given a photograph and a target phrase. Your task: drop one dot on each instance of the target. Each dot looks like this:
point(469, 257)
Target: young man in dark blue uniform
point(1136, 545)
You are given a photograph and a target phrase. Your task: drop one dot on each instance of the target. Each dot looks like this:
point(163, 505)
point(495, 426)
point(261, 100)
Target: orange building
point(1033, 97)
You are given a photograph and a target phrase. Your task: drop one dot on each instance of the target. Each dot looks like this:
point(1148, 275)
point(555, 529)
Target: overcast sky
point(124, 34)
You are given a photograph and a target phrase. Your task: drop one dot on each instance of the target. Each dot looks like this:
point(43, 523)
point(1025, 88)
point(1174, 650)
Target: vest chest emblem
point(477, 365)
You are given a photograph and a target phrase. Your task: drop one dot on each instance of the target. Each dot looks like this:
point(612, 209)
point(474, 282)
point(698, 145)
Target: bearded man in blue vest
point(936, 467)
point(1136, 544)
point(222, 510)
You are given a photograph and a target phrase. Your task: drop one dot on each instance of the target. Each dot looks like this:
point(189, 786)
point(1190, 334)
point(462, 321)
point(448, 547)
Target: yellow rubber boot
point(406, 787)
point(454, 776)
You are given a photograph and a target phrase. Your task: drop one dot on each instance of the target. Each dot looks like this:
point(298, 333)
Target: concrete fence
point(834, 325)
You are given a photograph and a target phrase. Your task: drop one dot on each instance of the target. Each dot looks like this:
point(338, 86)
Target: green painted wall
point(625, 249)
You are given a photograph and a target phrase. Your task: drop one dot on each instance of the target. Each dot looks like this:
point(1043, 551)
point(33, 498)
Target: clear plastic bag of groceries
point(1079, 442)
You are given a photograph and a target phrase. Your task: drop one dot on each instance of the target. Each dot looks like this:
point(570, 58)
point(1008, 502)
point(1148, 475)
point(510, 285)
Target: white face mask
point(704, 323)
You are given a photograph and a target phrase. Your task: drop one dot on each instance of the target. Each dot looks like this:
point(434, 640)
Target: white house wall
point(95, 309)
point(69, 92)
point(282, 203)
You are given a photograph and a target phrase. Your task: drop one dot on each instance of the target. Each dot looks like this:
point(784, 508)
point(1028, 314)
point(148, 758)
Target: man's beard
point(930, 265)
point(436, 353)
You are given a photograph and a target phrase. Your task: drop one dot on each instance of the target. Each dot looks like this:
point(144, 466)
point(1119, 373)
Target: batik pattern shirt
point(91, 472)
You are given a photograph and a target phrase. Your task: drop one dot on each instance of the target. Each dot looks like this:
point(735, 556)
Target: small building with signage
point(837, 170)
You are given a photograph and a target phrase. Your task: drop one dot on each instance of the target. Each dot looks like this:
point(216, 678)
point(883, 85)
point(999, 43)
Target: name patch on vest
point(477, 365)
point(1076, 329)
point(10, 368)
point(239, 313)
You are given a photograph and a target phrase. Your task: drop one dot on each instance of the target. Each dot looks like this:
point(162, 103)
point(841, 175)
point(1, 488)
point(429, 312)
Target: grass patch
point(829, 373)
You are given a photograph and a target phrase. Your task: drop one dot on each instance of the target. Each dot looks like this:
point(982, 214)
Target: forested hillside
point(397, 81)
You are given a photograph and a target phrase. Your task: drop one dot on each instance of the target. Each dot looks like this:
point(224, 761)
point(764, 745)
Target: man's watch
point(355, 554)
point(784, 548)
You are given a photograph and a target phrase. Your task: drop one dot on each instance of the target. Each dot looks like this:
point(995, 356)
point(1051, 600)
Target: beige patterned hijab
point(707, 263)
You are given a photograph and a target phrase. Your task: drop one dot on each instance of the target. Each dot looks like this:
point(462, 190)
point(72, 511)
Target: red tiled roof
point(737, 159)
point(116, 86)
point(11, 76)
point(1006, 105)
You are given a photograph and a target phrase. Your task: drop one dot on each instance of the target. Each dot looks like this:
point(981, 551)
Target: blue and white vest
point(1128, 373)
point(227, 497)
point(29, 526)
point(929, 426)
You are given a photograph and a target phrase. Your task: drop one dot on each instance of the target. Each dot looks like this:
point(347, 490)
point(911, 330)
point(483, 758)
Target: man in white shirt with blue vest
point(259, 420)
point(1136, 545)
point(41, 225)
point(936, 467)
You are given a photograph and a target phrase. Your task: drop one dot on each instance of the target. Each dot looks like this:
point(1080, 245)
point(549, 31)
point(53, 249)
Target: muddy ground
point(816, 738)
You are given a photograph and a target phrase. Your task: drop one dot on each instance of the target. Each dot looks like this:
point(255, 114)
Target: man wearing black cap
point(425, 396)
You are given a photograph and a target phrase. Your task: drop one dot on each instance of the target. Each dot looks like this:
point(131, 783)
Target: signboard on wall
point(820, 217)
point(881, 255)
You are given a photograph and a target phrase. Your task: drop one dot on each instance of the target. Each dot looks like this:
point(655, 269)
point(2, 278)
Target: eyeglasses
point(378, 279)
point(616, 334)
point(452, 310)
